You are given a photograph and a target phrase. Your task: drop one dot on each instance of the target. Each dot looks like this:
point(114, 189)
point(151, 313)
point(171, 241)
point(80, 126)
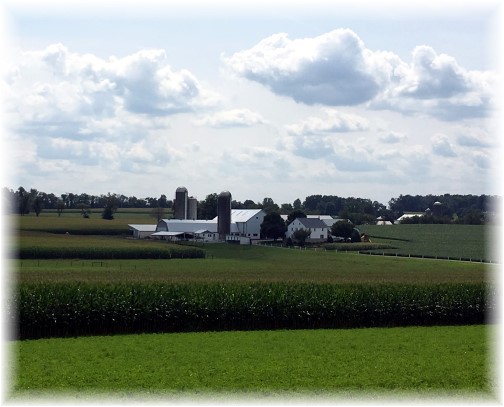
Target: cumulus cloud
point(478, 139)
point(392, 137)
point(336, 69)
point(332, 69)
point(334, 122)
point(231, 118)
point(441, 146)
point(54, 86)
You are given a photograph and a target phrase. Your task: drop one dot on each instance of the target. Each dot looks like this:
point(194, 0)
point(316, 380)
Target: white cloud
point(231, 118)
point(441, 146)
point(392, 137)
point(332, 69)
point(54, 86)
point(475, 138)
point(336, 69)
point(334, 122)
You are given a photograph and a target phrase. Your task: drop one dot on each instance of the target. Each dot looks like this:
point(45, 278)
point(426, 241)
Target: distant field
point(468, 241)
point(72, 221)
point(225, 263)
point(419, 360)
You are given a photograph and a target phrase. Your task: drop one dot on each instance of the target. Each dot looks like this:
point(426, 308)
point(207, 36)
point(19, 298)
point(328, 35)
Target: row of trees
point(458, 208)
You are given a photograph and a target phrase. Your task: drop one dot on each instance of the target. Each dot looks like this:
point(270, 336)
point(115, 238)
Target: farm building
point(317, 227)
point(245, 226)
point(142, 231)
point(409, 215)
point(380, 220)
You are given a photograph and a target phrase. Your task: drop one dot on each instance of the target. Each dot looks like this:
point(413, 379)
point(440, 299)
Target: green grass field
point(450, 359)
point(225, 263)
point(267, 362)
point(467, 241)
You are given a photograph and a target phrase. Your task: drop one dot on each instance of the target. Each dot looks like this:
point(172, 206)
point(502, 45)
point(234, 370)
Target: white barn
point(245, 227)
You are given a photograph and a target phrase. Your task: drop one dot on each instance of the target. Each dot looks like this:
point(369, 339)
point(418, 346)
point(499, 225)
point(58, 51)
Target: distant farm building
point(382, 221)
point(142, 231)
point(233, 225)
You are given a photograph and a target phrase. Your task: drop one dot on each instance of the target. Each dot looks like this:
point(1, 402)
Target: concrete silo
point(437, 209)
point(192, 208)
point(224, 214)
point(180, 204)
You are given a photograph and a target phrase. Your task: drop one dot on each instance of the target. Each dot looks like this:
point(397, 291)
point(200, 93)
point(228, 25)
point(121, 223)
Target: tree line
point(473, 209)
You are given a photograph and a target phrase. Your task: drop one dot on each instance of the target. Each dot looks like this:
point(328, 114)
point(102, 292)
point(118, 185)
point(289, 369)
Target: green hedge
point(37, 252)
point(71, 309)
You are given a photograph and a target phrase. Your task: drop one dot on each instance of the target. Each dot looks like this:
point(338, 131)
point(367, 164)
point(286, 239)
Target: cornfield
point(78, 309)
point(40, 252)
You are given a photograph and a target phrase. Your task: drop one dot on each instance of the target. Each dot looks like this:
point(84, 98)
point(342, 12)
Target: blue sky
point(278, 99)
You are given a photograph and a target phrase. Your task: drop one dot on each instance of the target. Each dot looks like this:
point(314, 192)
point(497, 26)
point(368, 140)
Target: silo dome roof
point(181, 189)
point(225, 193)
point(437, 203)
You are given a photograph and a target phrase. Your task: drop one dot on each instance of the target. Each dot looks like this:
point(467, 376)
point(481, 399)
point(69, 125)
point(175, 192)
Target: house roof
point(312, 223)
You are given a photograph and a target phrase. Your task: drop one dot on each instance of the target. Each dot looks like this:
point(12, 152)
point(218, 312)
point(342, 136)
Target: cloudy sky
point(278, 99)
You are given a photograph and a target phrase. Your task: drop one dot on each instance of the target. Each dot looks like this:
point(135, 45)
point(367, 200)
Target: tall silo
point(192, 208)
point(224, 214)
point(437, 209)
point(180, 204)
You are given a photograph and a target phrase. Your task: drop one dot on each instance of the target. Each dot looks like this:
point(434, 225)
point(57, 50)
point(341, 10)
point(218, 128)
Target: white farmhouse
point(317, 227)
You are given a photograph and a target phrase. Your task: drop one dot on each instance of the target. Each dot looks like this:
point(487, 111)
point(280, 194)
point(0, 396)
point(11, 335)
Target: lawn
point(416, 359)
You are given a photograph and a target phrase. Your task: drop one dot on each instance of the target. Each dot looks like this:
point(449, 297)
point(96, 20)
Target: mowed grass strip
point(416, 359)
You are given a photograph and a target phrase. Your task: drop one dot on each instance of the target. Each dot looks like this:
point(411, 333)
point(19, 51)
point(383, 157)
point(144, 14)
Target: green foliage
point(141, 252)
point(273, 226)
point(300, 236)
point(336, 363)
point(342, 229)
point(69, 309)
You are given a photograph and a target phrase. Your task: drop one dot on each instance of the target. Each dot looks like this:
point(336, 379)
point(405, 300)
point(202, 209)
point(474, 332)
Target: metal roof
point(167, 233)
point(143, 228)
point(241, 215)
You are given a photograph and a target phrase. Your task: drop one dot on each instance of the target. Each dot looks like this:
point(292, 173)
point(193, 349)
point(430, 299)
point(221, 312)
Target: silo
point(437, 209)
point(192, 208)
point(180, 204)
point(224, 214)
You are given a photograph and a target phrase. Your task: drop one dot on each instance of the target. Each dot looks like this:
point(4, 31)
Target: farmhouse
point(316, 227)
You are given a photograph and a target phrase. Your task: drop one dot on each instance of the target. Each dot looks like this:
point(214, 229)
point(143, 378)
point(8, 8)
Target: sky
point(266, 99)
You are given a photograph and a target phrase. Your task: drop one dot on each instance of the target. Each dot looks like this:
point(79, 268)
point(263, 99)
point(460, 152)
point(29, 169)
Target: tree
point(60, 205)
point(37, 205)
point(23, 201)
point(297, 204)
point(110, 207)
point(207, 209)
point(269, 206)
point(300, 236)
point(273, 226)
point(342, 229)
